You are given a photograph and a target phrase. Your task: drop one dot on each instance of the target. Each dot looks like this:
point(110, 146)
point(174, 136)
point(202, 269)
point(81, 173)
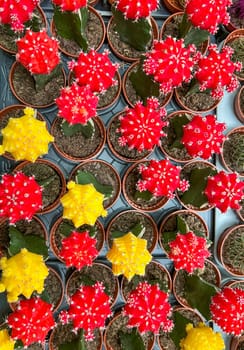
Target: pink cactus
point(95, 70)
point(67, 5)
point(227, 309)
point(136, 9)
point(148, 309)
point(161, 178)
point(77, 104)
point(89, 309)
point(215, 71)
point(170, 63)
point(37, 52)
point(31, 321)
point(203, 136)
point(188, 252)
point(207, 14)
point(20, 197)
point(141, 126)
point(78, 250)
point(16, 13)
point(224, 190)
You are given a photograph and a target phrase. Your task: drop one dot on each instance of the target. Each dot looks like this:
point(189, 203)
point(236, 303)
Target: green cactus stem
point(78, 343)
point(131, 340)
point(137, 230)
point(87, 130)
point(41, 80)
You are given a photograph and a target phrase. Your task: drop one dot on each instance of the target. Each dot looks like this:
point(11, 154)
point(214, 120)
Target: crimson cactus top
point(141, 126)
point(20, 197)
point(95, 70)
point(31, 321)
point(161, 178)
point(227, 309)
point(38, 52)
point(170, 63)
point(208, 14)
point(16, 13)
point(67, 5)
point(203, 136)
point(77, 104)
point(148, 309)
point(136, 9)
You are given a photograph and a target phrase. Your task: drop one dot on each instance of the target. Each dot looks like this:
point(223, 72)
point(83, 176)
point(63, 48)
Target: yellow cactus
point(82, 204)
point(26, 138)
point(201, 338)
point(5, 341)
point(129, 255)
point(23, 274)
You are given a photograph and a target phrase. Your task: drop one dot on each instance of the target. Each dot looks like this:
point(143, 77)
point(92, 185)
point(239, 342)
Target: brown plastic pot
point(123, 153)
point(116, 321)
point(93, 11)
point(17, 66)
point(53, 242)
point(172, 5)
point(221, 245)
point(123, 221)
point(98, 168)
point(56, 125)
point(237, 105)
point(124, 56)
point(237, 33)
point(234, 283)
point(50, 207)
point(129, 181)
point(126, 83)
point(237, 343)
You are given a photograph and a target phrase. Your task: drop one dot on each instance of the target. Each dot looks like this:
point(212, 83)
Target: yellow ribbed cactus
point(129, 255)
point(201, 338)
point(26, 138)
point(82, 204)
point(23, 274)
point(6, 343)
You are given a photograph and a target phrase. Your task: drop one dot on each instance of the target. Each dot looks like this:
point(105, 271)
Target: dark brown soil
point(128, 220)
point(77, 146)
point(242, 101)
point(24, 87)
point(110, 95)
point(234, 16)
point(43, 172)
point(106, 175)
point(53, 287)
point(233, 251)
point(233, 152)
point(124, 151)
point(120, 324)
point(94, 34)
point(242, 209)
point(237, 45)
point(153, 273)
point(35, 346)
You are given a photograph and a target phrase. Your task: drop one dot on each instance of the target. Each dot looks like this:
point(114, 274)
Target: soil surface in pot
point(235, 18)
point(45, 174)
point(153, 274)
point(103, 174)
point(77, 145)
point(233, 252)
point(24, 86)
point(124, 151)
point(53, 289)
point(127, 221)
point(94, 35)
point(242, 101)
point(120, 324)
point(237, 45)
point(65, 334)
point(34, 346)
point(231, 152)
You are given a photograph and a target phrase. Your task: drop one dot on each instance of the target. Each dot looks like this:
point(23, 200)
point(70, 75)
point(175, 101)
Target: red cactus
point(215, 71)
point(227, 309)
point(78, 250)
point(170, 63)
point(188, 251)
point(148, 309)
point(16, 13)
point(77, 104)
point(89, 309)
point(136, 9)
point(67, 5)
point(161, 178)
point(224, 190)
point(203, 136)
point(31, 321)
point(94, 69)
point(207, 14)
point(20, 197)
point(37, 52)
point(141, 126)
